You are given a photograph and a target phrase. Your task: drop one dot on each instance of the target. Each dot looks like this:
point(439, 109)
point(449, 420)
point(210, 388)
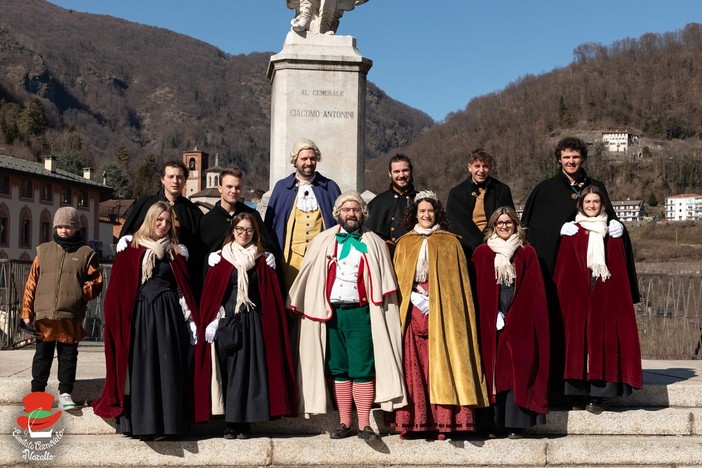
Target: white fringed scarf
point(597, 230)
point(504, 251)
point(421, 273)
point(243, 259)
point(306, 200)
point(155, 250)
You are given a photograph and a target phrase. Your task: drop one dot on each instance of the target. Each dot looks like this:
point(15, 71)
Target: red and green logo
point(38, 417)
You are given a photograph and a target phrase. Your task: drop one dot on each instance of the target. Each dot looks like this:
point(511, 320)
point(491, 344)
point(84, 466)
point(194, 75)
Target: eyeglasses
point(349, 210)
point(504, 224)
point(242, 230)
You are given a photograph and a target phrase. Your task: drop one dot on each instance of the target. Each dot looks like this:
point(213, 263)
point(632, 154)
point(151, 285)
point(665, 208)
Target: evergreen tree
point(9, 115)
point(32, 120)
point(118, 181)
point(70, 160)
point(148, 177)
point(122, 156)
point(652, 200)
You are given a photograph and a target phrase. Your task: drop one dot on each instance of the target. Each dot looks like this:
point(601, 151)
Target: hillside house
point(683, 207)
point(629, 210)
point(618, 141)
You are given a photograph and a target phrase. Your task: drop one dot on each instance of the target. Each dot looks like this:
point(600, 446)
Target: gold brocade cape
point(455, 371)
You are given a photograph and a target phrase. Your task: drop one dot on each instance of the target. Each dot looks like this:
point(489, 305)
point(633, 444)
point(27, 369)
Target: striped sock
point(363, 396)
point(344, 401)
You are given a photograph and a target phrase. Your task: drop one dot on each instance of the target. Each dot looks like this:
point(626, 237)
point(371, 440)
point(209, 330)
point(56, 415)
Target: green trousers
point(350, 345)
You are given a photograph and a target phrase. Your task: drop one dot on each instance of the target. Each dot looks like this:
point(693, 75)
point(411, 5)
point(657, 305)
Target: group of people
point(461, 319)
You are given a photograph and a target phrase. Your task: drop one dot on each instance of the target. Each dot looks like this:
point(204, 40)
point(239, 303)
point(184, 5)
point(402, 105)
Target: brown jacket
point(60, 283)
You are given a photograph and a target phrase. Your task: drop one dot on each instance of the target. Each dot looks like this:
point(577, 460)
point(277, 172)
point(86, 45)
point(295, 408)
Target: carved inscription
point(322, 113)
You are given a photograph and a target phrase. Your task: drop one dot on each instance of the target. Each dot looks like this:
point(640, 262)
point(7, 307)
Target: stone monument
point(320, 16)
point(319, 92)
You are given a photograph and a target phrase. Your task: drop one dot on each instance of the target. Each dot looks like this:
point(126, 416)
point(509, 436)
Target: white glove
point(270, 260)
point(500, 320)
point(193, 333)
point(569, 229)
point(124, 242)
point(214, 258)
point(616, 229)
point(184, 307)
point(211, 330)
point(184, 251)
point(420, 301)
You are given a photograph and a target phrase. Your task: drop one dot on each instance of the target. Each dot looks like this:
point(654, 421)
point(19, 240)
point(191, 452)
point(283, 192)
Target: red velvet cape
point(517, 357)
point(601, 339)
point(119, 306)
point(282, 389)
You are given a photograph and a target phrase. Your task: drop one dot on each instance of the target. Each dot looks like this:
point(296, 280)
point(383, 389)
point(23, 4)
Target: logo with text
point(35, 432)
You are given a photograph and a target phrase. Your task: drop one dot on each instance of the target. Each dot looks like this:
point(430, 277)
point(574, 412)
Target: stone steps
point(618, 421)
point(114, 450)
point(658, 426)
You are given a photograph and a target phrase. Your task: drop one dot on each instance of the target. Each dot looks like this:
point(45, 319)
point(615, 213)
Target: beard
point(408, 183)
point(351, 225)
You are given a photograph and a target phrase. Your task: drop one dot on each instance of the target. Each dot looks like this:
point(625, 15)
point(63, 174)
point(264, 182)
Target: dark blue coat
point(280, 204)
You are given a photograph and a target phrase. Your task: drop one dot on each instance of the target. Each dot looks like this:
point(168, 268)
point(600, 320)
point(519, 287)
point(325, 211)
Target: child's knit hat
point(67, 216)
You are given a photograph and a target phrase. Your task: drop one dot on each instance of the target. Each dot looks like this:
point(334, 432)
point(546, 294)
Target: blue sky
point(432, 55)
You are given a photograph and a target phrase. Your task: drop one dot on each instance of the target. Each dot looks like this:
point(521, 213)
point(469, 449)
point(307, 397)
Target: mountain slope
point(106, 83)
point(650, 86)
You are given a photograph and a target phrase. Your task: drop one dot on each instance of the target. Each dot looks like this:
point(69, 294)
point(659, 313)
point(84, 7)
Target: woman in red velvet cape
point(144, 321)
point(603, 356)
point(257, 378)
point(515, 347)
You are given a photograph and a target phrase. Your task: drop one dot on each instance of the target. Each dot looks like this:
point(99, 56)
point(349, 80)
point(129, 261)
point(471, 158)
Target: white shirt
point(345, 287)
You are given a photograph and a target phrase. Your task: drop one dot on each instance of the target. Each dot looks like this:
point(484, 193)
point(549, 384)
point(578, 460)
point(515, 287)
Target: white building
point(30, 194)
point(687, 206)
point(617, 141)
point(629, 210)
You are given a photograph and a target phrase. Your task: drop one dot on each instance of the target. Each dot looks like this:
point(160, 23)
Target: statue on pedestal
point(320, 16)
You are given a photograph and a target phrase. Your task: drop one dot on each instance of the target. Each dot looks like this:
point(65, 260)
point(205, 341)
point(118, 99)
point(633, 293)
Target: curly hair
point(571, 143)
point(410, 217)
point(304, 144)
point(350, 195)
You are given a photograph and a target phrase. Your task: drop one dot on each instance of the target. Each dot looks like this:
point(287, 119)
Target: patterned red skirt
point(420, 414)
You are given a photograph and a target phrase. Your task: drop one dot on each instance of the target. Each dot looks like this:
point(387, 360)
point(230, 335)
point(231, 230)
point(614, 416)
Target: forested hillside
point(92, 89)
point(650, 86)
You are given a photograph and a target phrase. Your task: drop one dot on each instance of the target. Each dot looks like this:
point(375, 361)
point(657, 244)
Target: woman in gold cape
point(443, 372)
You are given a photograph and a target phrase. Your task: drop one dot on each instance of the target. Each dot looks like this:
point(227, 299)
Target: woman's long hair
point(256, 239)
point(440, 218)
point(509, 211)
point(147, 229)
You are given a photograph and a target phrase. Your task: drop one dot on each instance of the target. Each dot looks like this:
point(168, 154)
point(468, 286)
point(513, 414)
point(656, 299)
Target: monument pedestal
point(319, 92)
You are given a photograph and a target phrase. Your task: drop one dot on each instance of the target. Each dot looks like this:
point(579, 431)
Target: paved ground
point(658, 426)
point(91, 364)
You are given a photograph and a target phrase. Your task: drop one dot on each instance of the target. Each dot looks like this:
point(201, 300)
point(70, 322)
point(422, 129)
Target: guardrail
point(13, 274)
point(669, 316)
